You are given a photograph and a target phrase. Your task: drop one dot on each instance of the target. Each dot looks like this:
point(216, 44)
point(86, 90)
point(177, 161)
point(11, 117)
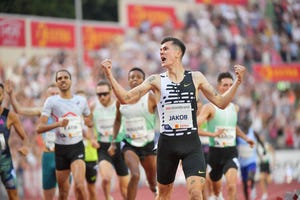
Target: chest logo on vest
point(186, 84)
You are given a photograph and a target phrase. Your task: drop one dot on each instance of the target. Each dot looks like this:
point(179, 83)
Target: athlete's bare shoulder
point(198, 78)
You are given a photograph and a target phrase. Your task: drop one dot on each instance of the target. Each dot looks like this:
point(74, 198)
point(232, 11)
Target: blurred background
point(39, 37)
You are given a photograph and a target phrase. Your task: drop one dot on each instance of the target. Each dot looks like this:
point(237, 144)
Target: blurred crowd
point(216, 37)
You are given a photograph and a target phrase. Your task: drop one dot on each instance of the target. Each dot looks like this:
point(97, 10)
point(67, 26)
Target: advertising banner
point(233, 2)
point(280, 72)
point(156, 15)
point(12, 32)
point(52, 35)
point(96, 36)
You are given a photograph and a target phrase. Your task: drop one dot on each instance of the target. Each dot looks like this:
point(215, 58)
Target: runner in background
point(67, 109)
point(8, 120)
point(248, 155)
point(49, 181)
point(104, 112)
point(90, 158)
point(266, 155)
point(222, 124)
point(207, 191)
point(137, 122)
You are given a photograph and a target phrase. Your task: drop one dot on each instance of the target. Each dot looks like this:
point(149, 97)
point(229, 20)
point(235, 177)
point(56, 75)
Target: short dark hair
point(137, 69)
point(104, 82)
point(1, 85)
point(63, 70)
point(52, 85)
point(80, 92)
point(176, 42)
point(224, 75)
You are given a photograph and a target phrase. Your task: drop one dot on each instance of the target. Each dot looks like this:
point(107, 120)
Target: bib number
point(73, 129)
point(228, 139)
point(136, 127)
point(245, 151)
point(2, 142)
point(179, 115)
point(50, 140)
point(105, 126)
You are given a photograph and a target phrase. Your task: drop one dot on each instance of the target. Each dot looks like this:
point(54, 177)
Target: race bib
point(179, 115)
point(204, 139)
point(2, 142)
point(74, 127)
point(136, 127)
point(245, 151)
point(105, 126)
point(228, 139)
point(49, 140)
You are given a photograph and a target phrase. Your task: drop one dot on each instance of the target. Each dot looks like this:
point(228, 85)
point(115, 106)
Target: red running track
point(275, 191)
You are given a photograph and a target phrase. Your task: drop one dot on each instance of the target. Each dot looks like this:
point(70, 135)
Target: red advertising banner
point(53, 35)
point(232, 2)
point(275, 73)
point(12, 32)
point(156, 15)
point(96, 36)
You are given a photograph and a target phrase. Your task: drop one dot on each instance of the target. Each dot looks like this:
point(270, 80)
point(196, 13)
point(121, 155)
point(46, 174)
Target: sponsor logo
point(80, 156)
point(167, 127)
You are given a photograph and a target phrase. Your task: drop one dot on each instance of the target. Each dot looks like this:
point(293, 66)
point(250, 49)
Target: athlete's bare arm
point(13, 120)
point(88, 120)
point(117, 122)
point(116, 128)
point(133, 95)
point(205, 114)
point(28, 111)
point(242, 135)
point(43, 126)
point(152, 103)
point(212, 95)
point(90, 134)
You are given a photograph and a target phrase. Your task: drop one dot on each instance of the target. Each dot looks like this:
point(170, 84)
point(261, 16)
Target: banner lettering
point(44, 34)
point(12, 32)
